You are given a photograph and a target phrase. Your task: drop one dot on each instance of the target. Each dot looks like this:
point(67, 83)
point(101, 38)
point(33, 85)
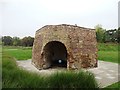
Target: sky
point(23, 17)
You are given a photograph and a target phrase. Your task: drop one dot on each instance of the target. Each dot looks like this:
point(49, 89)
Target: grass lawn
point(109, 56)
point(108, 46)
point(108, 52)
point(20, 53)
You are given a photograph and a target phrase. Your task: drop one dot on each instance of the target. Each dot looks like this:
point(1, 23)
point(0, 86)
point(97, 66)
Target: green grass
point(108, 47)
point(13, 77)
point(109, 56)
point(20, 53)
point(106, 52)
point(72, 80)
point(0, 66)
point(115, 85)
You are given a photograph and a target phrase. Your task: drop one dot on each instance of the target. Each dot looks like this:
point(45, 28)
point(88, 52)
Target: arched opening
point(55, 54)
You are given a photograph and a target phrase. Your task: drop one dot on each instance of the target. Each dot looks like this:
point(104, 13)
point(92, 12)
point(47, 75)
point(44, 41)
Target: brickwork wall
point(80, 43)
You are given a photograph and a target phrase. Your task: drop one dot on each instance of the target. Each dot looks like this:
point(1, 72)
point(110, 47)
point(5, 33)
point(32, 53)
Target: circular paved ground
point(106, 73)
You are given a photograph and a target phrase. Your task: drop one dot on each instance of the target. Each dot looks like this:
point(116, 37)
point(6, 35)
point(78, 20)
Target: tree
point(0, 40)
point(118, 35)
point(100, 33)
point(27, 41)
point(30, 41)
point(111, 35)
point(24, 41)
point(16, 41)
point(7, 40)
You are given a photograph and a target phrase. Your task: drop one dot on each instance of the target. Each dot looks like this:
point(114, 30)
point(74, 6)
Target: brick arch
point(54, 54)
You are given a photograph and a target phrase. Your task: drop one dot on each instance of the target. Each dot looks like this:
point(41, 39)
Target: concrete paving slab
point(106, 73)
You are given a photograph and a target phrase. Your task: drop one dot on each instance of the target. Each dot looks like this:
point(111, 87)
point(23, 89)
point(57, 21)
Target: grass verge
point(115, 85)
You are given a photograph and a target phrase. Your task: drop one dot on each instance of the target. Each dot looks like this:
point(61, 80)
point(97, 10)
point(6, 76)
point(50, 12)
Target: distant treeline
point(16, 41)
point(102, 36)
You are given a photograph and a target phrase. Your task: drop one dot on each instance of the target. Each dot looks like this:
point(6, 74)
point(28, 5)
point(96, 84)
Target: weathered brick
point(80, 44)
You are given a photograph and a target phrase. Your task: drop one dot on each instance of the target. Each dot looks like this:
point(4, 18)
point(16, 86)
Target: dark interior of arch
point(55, 54)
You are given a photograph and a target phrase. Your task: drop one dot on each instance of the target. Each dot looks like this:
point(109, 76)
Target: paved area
point(106, 73)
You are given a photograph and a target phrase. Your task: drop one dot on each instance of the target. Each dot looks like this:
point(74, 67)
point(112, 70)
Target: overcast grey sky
point(23, 17)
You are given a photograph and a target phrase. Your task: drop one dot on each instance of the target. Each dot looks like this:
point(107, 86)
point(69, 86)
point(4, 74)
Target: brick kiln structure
point(64, 45)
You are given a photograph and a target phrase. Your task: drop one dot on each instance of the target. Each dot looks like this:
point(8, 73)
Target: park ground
point(106, 52)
